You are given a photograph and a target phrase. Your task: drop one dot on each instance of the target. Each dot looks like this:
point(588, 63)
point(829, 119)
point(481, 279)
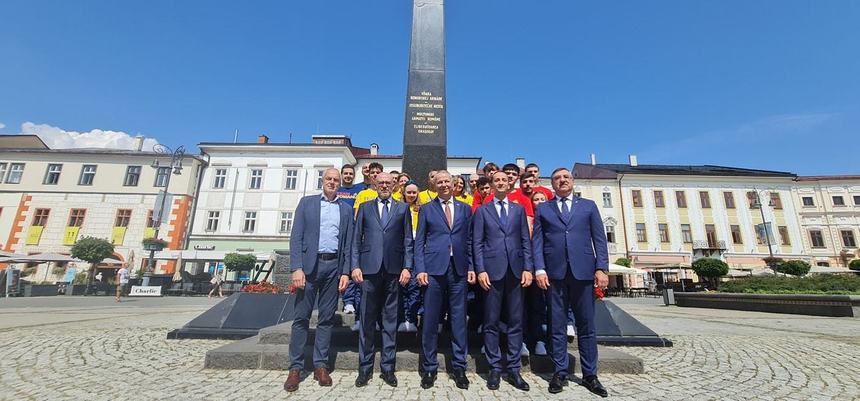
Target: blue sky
point(763, 84)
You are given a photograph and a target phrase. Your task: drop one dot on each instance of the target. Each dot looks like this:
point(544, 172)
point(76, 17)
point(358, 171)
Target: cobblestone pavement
point(90, 349)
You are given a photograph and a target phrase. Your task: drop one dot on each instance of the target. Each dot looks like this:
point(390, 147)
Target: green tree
point(93, 250)
point(854, 265)
point(239, 262)
point(622, 262)
point(794, 267)
point(710, 269)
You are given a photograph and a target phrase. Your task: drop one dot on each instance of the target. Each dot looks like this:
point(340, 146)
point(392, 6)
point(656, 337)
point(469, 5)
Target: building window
point(637, 198)
point(705, 199)
point(658, 199)
point(686, 233)
point(320, 174)
point(663, 229)
point(52, 174)
point(149, 221)
point(220, 178)
point(783, 235)
point(610, 234)
point(286, 222)
point(838, 201)
point(76, 217)
point(776, 200)
point(711, 235)
point(162, 174)
point(729, 198)
point(808, 201)
point(40, 218)
point(256, 179)
point(16, 171)
point(607, 199)
point(681, 199)
point(816, 238)
point(212, 221)
point(752, 198)
point(737, 239)
point(856, 200)
point(250, 223)
point(641, 235)
point(123, 216)
point(88, 174)
point(292, 179)
point(132, 176)
point(848, 238)
point(3, 171)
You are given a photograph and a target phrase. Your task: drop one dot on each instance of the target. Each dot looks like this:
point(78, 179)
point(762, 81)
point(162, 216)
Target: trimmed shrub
point(239, 262)
point(830, 284)
point(854, 265)
point(794, 267)
point(622, 262)
point(710, 269)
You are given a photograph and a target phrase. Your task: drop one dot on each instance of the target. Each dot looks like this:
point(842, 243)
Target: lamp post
point(175, 167)
point(758, 204)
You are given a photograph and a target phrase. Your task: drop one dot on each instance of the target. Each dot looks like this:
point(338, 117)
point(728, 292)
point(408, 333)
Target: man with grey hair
point(319, 257)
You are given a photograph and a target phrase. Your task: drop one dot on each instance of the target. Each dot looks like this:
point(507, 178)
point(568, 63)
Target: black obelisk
point(425, 138)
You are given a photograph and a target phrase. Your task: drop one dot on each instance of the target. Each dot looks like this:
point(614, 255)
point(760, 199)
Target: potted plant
point(154, 244)
point(78, 286)
point(93, 250)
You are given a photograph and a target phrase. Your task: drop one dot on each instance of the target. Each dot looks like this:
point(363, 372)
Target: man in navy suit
point(571, 259)
point(319, 253)
point(381, 262)
point(503, 262)
point(443, 263)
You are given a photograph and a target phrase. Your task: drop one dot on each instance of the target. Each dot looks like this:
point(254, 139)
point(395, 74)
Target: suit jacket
point(577, 245)
point(305, 236)
point(434, 240)
point(375, 245)
point(496, 247)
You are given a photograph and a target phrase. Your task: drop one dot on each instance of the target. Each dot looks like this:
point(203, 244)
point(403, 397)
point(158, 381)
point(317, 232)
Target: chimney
point(374, 149)
point(262, 139)
point(138, 142)
point(593, 159)
point(633, 161)
point(521, 163)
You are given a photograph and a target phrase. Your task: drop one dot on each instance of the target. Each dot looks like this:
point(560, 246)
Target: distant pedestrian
point(99, 277)
point(216, 284)
point(121, 281)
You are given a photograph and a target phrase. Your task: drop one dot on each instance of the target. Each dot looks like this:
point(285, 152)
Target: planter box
point(40, 290)
point(815, 305)
point(77, 289)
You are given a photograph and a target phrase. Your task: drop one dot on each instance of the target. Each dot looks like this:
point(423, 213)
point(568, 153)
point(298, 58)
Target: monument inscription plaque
point(425, 136)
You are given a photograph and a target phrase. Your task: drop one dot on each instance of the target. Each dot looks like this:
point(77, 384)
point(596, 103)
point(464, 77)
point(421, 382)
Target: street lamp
point(175, 167)
point(758, 204)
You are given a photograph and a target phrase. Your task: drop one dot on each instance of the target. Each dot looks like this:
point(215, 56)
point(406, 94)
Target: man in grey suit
point(381, 262)
point(319, 253)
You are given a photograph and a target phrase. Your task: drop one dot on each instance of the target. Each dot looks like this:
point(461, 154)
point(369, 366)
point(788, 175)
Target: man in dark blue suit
point(319, 252)
point(503, 262)
point(381, 262)
point(571, 259)
point(443, 263)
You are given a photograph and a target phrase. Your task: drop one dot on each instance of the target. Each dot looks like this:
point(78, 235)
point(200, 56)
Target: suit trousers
point(506, 294)
point(448, 289)
point(579, 296)
point(321, 284)
point(380, 294)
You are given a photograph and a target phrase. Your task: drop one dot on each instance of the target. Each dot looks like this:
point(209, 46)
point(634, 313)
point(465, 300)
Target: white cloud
point(58, 138)
point(2, 125)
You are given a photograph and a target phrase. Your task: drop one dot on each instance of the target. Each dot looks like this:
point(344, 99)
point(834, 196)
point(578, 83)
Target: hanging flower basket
point(154, 244)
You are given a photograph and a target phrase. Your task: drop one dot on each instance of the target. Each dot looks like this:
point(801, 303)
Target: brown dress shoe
point(321, 375)
point(292, 383)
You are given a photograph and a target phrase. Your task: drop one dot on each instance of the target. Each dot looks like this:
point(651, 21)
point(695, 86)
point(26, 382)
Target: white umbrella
point(110, 261)
point(618, 269)
point(828, 270)
point(47, 257)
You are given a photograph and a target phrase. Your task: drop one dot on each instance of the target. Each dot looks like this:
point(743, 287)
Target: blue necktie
point(503, 215)
point(565, 211)
point(385, 215)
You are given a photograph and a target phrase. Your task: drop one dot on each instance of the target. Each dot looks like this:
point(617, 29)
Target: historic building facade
point(829, 212)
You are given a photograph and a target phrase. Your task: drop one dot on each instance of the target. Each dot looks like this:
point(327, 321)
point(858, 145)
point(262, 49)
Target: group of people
point(528, 257)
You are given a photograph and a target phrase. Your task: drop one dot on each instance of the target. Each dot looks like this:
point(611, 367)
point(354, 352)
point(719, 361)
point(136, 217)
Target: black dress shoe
point(493, 380)
point(389, 378)
point(427, 379)
point(362, 379)
point(556, 384)
point(517, 381)
point(593, 385)
point(460, 379)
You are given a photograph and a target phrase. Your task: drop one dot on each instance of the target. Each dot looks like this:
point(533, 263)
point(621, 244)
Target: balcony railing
point(719, 245)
